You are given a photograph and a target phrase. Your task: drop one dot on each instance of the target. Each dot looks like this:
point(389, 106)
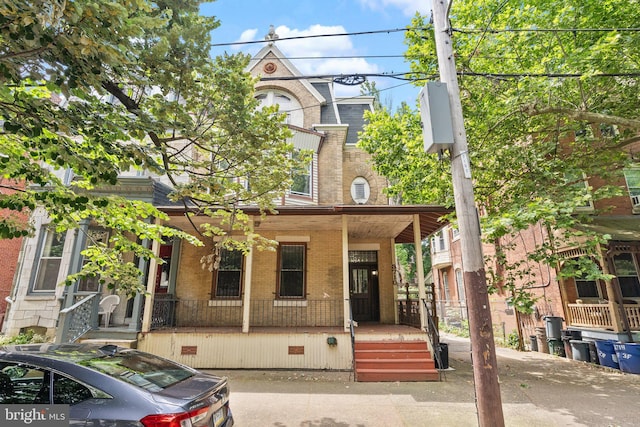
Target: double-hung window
point(627, 273)
point(291, 270)
point(227, 279)
point(301, 178)
point(51, 248)
point(632, 176)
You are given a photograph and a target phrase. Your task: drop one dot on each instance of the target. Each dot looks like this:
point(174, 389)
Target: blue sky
point(247, 20)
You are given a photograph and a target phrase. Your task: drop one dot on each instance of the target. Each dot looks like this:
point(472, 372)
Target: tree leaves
point(534, 136)
point(101, 88)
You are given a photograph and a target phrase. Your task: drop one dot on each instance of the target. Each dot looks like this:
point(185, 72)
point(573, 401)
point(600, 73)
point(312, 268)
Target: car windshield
point(144, 370)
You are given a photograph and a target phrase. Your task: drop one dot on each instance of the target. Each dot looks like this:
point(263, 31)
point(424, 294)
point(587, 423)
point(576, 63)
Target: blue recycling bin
point(607, 354)
point(628, 357)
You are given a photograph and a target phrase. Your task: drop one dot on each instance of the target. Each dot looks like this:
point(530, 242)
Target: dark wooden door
point(363, 287)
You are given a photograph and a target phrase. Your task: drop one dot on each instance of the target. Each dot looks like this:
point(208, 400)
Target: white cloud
point(408, 7)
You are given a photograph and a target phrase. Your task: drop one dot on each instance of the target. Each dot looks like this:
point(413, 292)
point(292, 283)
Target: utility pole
point(483, 354)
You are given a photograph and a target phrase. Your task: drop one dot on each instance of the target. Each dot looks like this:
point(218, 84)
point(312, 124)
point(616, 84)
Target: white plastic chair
point(108, 305)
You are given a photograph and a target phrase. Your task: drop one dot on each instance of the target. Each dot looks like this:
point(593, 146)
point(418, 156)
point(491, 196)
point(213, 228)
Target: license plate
point(218, 418)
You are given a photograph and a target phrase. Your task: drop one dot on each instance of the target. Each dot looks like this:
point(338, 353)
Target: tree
point(549, 92)
point(100, 87)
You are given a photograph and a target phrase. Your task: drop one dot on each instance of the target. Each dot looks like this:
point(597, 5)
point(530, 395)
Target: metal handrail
point(352, 332)
point(433, 335)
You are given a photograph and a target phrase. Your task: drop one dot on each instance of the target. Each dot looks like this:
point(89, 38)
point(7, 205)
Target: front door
point(363, 288)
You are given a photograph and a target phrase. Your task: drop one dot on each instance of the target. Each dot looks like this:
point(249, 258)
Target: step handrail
point(432, 334)
point(352, 332)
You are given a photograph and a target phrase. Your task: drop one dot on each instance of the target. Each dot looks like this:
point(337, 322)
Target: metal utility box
point(435, 112)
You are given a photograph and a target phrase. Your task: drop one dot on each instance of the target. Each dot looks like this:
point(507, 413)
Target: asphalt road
point(537, 390)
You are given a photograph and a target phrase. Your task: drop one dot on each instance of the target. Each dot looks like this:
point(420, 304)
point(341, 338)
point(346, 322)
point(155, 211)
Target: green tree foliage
point(550, 97)
point(100, 87)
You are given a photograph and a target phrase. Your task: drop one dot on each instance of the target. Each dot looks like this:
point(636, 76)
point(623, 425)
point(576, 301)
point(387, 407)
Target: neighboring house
point(49, 256)
point(599, 310)
point(10, 250)
point(292, 307)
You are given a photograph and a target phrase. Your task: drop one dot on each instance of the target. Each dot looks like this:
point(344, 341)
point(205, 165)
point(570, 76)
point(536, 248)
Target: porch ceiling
point(619, 227)
point(364, 222)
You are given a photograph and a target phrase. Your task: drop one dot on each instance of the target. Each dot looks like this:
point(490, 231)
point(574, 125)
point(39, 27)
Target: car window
point(68, 391)
point(144, 370)
point(21, 384)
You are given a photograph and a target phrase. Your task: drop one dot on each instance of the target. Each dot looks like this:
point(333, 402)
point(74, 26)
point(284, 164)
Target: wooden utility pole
point(485, 368)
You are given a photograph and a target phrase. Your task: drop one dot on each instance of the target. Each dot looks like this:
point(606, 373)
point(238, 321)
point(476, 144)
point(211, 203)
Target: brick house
point(599, 310)
point(292, 307)
point(10, 250)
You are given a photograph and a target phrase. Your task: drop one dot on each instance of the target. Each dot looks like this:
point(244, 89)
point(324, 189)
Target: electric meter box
point(435, 113)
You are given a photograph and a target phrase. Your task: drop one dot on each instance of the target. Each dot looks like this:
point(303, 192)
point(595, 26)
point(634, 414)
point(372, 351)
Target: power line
point(412, 76)
point(311, 36)
point(460, 30)
point(544, 30)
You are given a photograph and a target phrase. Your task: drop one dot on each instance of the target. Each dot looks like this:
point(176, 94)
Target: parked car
point(113, 386)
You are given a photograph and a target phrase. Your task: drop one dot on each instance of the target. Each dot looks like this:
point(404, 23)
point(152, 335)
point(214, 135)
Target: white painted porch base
point(251, 351)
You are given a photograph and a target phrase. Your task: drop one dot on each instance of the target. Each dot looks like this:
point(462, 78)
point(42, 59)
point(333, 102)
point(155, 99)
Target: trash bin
point(628, 357)
point(580, 350)
point(443, 351)
point(534, 342)
point(567, 346)
point(593, 352)
point(543, 345)
point(606, 353)
point(554, 326)
point(556, 347)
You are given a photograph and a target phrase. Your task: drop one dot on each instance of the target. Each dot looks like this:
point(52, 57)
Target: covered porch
point(608, 309)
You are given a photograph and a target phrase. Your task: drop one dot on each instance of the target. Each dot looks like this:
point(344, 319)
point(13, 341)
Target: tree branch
point(588, 116)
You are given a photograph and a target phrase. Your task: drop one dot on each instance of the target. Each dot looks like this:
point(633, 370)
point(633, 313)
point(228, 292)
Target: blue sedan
point(110, 386)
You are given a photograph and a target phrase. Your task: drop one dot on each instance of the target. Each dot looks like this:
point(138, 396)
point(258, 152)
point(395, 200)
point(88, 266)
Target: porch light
point(332, 341)
point(374, 272)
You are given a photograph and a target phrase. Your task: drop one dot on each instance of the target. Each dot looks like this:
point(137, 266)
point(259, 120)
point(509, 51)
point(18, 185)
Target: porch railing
point(77, 320)
point(590, 315)
point(633, 315)
point(409, 312)
point(172, 312)
point(599, 316)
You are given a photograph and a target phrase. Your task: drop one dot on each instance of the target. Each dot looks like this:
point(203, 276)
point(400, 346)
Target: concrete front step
point(394, 361)
point(390, 375)
point(389, 345)
point(392, 354)
point(402, 364)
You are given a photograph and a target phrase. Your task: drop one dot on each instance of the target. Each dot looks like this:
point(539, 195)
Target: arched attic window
point(287, 103)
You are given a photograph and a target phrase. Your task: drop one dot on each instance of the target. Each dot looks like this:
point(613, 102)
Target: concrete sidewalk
point(537, 390)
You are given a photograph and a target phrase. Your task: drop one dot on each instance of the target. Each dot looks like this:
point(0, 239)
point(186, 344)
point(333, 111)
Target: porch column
point(422, 293)
point(151, 288)
point(345, 273)
point(613, 295)
point(395, 283)
point(246, 298)
point(134, 324)
point(75, 264)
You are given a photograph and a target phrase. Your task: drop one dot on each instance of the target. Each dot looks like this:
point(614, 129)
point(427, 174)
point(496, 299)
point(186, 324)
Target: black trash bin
point(534, 342)
point(443, 351)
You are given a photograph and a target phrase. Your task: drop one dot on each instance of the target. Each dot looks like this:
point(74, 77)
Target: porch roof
point(364, 221)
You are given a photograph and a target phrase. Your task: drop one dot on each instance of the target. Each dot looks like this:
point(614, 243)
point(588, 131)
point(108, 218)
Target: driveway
point(537, 390)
